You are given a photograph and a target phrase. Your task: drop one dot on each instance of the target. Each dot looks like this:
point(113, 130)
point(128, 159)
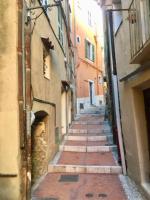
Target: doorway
point(91, 92)
point(39, 145)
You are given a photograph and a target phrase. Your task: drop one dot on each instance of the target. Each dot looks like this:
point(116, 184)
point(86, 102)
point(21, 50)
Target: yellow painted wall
point(9, 121)
point(49, 89)
point(132, 106)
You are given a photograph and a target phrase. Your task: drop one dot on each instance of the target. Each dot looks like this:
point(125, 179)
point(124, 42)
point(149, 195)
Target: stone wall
point(39, 151)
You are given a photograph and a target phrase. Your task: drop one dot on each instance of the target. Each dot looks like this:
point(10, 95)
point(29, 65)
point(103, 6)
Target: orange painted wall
point(86, 69)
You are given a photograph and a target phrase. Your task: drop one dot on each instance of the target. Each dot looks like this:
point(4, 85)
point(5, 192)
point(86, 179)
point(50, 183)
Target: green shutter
point(59, 14)
point(93, 53)
point(86, 48)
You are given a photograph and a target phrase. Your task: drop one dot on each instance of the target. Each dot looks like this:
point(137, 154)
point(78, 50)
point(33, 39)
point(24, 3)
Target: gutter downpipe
point(23, 57)
point(24, 98)
point(116, 90)
point(75, 54)
point(26, 72)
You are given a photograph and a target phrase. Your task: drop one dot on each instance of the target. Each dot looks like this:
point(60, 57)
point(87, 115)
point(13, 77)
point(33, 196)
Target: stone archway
point(39, 145)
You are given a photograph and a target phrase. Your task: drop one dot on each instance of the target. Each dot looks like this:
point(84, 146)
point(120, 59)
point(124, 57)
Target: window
point(78, 39)
point(46, 64)
point(78, 4)
point(89, 19)
point(44, 3)
point(100, 78)
point(117, 17)
point(89, 51)
point(60, 26)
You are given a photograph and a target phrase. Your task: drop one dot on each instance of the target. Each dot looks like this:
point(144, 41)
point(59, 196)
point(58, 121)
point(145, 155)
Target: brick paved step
point(98, 185)
point(88, 138)
point(86, 148)
point(87, 131)
point(84, 169)
point(86, 158)
point(86, 126)
point(87, 134)
point(85, 143)
point(89, 118)
point(73, 130)
point(93, 113)
point(100, 122)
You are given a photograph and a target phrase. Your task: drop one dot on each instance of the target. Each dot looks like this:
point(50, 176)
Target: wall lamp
point(56, 3)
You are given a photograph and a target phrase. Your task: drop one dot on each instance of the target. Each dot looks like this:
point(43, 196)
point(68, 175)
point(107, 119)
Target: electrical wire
point(37, 16)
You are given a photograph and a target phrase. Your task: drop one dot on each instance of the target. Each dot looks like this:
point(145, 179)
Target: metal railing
point(139, 25)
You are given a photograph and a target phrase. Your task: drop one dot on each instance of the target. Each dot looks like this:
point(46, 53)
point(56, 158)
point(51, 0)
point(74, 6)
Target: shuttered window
point(60, 26)
point(89, 50)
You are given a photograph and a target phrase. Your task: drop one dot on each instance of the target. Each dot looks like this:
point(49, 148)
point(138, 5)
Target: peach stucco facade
point(88, 72)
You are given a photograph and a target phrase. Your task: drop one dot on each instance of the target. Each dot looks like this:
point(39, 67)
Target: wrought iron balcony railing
point(139, 25)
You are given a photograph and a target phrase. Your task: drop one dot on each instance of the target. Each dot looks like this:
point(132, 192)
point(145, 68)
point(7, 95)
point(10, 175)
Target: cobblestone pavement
point(85, 167)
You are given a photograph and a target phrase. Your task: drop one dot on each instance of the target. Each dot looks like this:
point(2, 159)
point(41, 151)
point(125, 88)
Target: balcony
point(139, 26)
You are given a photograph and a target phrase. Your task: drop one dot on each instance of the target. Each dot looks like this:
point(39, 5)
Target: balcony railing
point(139, 25)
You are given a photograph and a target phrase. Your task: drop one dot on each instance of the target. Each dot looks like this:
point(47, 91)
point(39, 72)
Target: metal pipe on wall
point(26, 81)
point(115, 89)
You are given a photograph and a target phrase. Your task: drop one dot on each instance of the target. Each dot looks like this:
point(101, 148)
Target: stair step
point(86, 143)
point(88, 123)
point(78, 130)
point(86, 131)
point(87, 148)
point(85, 169)
point(86, 138)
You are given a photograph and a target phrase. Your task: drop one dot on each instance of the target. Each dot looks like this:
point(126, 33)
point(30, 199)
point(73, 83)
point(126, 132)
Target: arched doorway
point(39, 145)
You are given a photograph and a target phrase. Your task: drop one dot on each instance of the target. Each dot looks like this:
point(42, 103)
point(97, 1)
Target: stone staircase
point(86, 166)
point(93, 110)
point(88, 148)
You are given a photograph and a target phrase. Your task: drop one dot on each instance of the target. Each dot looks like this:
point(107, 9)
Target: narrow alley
point(86, 166)
point(75, 100)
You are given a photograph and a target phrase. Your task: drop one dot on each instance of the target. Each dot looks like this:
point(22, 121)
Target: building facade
point(37, 93)
point(127, 33)
point(87, 44)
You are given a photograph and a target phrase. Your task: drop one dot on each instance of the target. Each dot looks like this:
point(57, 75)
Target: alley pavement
point(86, 166)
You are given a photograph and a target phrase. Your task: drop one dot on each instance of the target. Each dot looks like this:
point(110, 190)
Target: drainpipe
point(23, 57)
point(96, 53)
point(115, 88)
point(21, 99)
point(66, 92)
point(26, 73)
point(75, 52)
